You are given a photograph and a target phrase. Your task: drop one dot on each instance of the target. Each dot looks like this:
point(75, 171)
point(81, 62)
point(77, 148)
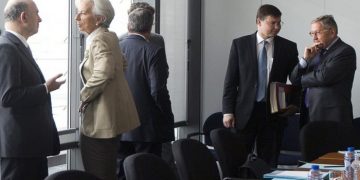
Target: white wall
point(2, 6)
point(224, 21)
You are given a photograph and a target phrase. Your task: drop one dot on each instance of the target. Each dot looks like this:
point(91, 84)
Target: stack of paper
point(278, 174)
point(324, 166)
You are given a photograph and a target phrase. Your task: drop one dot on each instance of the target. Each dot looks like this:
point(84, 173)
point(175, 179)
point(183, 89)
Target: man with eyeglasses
point(326, 73)
point(255, 61)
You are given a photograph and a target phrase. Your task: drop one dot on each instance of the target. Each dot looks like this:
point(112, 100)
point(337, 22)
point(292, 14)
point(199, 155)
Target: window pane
point(173, 27)
point(50, 50)
point(119, 23)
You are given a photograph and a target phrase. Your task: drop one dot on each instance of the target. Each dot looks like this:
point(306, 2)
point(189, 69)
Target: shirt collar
point(22, 38)
point(91, 36)
point(260, 39)
point(332, 43)
point(137, 34)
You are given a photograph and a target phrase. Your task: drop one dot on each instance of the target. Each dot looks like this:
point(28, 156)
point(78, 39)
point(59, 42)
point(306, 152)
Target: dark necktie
point(316, 62)
point(262, 73)
point(28, 48)
point(318, 58)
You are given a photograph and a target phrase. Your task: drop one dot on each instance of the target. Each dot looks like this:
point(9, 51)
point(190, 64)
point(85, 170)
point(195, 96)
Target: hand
point(52, 84)
point(229, 121)
point(290, 110)
point(83, 107)
point(311, 51)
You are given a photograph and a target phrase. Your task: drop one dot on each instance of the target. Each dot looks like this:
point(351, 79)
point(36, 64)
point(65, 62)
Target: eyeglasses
point(316, 33)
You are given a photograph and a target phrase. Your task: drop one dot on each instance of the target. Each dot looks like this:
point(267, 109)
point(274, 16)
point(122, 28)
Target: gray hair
point(12, 11)
point(140, 20)
point(102, 8)
point(327, 21)
point(143, 5)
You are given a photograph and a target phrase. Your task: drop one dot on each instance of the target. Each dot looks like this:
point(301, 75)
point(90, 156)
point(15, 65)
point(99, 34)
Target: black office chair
point(214, 121)
point(356, 123)
point(194, 161)
point(320, 137)
point(145, 166)
point(72, 175)
point(230, 150)
point(290, 153)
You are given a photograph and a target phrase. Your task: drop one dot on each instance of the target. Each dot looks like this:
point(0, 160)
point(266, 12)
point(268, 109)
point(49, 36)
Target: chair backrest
point(146, 166)
point(214, 121)
point(194, 161)
point(320, 137)
point(72, 175)
point(290, 147)
point(231, 151)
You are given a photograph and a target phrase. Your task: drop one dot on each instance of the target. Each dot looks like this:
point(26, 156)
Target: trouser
point(24, 168)
point(263, 136)
point(99, 156)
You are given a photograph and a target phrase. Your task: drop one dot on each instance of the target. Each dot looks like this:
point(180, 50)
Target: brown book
point(282, 95)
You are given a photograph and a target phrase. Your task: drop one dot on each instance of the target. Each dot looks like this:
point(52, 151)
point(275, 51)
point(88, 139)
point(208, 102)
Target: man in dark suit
point(147, 75)
point(158, 40)
point(154, 37)
point(326, 72)
point(250, 69)
point(27, 129)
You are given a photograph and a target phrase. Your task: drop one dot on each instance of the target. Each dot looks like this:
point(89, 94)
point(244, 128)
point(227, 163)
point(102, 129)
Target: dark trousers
point(127, 148)
point(304, 116)
point(99, 156)
point(263, 135)
point(24, 168)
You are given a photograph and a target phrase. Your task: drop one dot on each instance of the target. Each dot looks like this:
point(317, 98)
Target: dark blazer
point(330, 84)
point(240, 84)
point(154, 38)
point(147, 74)
point(27, 127)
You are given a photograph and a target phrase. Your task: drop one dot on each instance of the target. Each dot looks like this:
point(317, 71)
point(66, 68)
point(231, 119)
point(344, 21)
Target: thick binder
point(282, 95)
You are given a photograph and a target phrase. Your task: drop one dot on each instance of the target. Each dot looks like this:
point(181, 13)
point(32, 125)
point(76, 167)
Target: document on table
point(279, 174)
point(325, 166)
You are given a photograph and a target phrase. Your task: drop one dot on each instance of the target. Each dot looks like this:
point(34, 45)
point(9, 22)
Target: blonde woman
point(107, 106)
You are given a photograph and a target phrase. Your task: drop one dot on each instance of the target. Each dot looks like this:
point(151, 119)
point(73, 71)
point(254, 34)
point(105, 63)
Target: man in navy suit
point(326, 72)
point(246, 96)
point(158, 40)
point(154, 37)
point(147, 75)
point(27, 129)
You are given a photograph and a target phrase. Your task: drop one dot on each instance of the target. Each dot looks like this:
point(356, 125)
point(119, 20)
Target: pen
point(333, 166)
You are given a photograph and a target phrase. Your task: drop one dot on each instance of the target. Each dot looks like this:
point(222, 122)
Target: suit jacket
point(330, 83)
point(154, 38)
point(111, 108)
point(27, 127)
point(147, 75)
point(241, 78)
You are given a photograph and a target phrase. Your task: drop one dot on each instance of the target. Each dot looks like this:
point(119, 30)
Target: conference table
point(330, 158)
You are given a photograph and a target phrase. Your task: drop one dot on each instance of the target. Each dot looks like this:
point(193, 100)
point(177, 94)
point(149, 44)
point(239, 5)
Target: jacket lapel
point(25, 51)
point(253, 48)
point(86, 57)
point(330, 50)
